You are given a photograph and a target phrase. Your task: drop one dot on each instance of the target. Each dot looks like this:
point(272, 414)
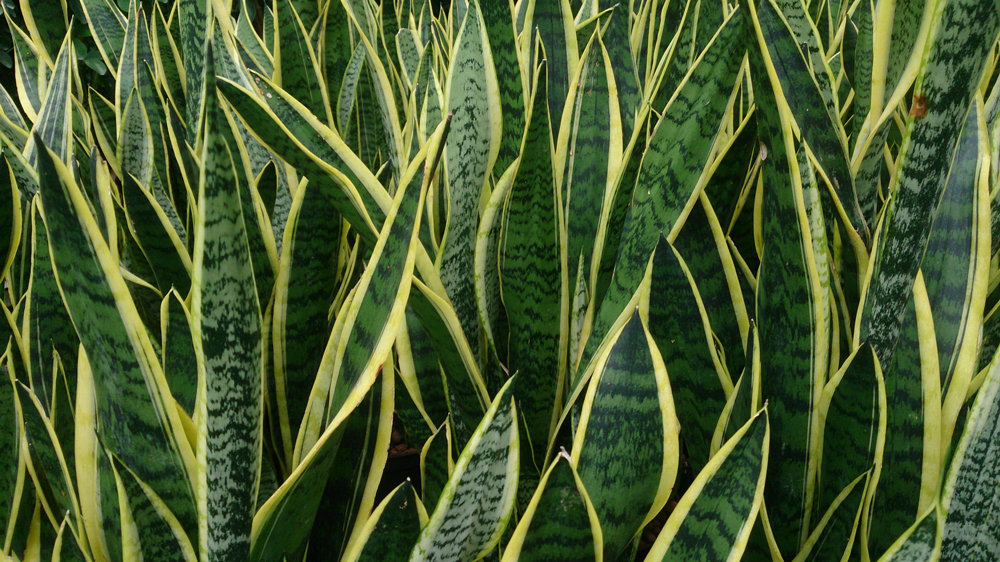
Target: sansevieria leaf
point(670, 171)
point(559, 524)
point(133, 417)
point(712, 521)
point(963, 34)
point(473, 99)
point(970, 497)
point(793, 327)
point(476, 503)
point(226, 329)
point(392, 528)
point(531, 277)
point(627, 425)
point(275, 532)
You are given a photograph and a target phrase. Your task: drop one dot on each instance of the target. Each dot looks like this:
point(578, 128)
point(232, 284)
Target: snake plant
point(648, 280)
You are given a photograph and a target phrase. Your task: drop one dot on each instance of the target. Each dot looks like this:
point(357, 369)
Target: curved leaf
point(478, 500)
point(712, 521)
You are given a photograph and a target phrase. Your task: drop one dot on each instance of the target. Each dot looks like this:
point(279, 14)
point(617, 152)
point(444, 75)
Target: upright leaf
point(226, 327)
point(713, 518)
point(473, 99)
point(531, 277)
point(951, 68)
point(133, 419)
point(559, 524)
point(970, 496)
point(478, 500)
point(671, 168)
point(626, 445)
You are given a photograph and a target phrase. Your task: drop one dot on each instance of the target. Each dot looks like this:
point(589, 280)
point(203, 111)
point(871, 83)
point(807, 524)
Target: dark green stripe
point(721, 512)
point(622, 453)
point(301, 322)
point(805, 99)
point(671, 165)
point(299, 75)
point(128, 423)
point(678, 328)
point(156, 538)
point(896, 498)
point(397, 528)
point(560, 526)
point(230, 328)
point(530, 274)
point(51, 331)
point(949, 262)
point(785, 309)
point(851, 431)
point(953, 66)
point(500, 29)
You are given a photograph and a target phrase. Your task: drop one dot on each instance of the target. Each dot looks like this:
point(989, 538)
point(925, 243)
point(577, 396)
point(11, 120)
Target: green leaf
point(794, 325)
point(679, 326)
point(853, 411)
point(531, 278)
point(283, 524)
point(492, 314)
point(356, 349)
point(672, 166)
point(96, 483)
point(168, 60)
point(468, 396)
point(473, 98)
point(392, 528)
point(296, 68)
point(349, 88)
point(559, 524)
point(553, 22)
point(304, 293)
point(293, 137)
point(919, 543)
point(962, 37)
point(421, 371)
point(835, 534)
point(745, 398)
point(819, 128)
point(479, 498)
point(48, 330)
point(48, 460)
point(180, 362)
point(704, 246)
point(107, 27)
point(31, 73)
point(436, 464)
point(55, 121)
point(128, 66)
point(133, 419)
point(165, 251)
point(500, 29)
point(194, 17)
point(160, 535)
point(336, 50)
point(970, 497)
point(10, 444)
point(594, 146)
point(356, 474)
point(367, 324)
point(713, 519)
point(616, 37)
point(954, 267)
point(626, 444)
point(409, 50)
point(226, 327)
